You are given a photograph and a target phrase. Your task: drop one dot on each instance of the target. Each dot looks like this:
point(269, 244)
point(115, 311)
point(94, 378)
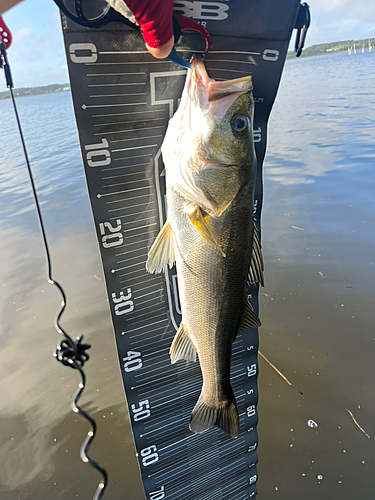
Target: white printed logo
point(214, 11)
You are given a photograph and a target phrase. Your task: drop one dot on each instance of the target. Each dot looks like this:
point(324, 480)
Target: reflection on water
point(323, 119)
point(40, 437)
point(317, 306)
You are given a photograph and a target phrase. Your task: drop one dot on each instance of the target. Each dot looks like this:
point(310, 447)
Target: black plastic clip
point(5, 65)
point(302, 25)
point(72, 353)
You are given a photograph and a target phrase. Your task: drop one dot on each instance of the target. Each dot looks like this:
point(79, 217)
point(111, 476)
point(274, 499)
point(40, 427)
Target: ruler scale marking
point(171, 459)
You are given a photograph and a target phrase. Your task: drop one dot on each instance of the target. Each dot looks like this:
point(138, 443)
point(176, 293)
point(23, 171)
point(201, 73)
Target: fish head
point(209, 149)
point(221, 119)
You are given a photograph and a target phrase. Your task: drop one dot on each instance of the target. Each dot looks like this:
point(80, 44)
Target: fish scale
point(112, 143)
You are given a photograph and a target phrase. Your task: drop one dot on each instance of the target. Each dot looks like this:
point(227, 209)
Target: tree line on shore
point(28, 91)
point(329, 48)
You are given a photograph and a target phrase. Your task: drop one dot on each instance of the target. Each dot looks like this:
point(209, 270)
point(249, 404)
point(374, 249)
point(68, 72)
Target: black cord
point(69, 352)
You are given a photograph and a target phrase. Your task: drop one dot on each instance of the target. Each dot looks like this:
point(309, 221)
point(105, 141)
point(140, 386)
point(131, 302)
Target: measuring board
point(123, 99)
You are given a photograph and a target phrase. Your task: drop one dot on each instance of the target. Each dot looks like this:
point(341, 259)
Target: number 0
point(90, 47)
point(271, 55)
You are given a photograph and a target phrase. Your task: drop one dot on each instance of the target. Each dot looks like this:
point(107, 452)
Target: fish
point(210, 167)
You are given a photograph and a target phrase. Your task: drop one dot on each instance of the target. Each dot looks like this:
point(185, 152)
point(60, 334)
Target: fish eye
point(240, 123)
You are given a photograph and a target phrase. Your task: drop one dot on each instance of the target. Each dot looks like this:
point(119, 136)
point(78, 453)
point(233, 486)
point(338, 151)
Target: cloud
point(336, 20)
point(343, 9)
point(24, 33)
point(37, 56)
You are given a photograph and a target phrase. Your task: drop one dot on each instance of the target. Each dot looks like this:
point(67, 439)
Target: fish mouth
point(215, 89)
point(199, 71)
point(215, 97)
point(206, 165)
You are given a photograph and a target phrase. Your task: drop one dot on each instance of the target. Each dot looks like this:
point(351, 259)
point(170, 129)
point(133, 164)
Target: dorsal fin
point(256, 264)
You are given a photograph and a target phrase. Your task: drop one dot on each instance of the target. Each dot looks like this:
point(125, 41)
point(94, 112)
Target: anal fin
point(201, 225)
point(256, 264)
point(163, 251)
point(249, 318)
point(182, 347)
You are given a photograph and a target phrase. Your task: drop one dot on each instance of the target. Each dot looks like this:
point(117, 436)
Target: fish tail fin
point(204, 417)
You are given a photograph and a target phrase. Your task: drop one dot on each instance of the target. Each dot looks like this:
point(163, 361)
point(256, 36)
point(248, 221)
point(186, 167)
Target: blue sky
point(37, 55)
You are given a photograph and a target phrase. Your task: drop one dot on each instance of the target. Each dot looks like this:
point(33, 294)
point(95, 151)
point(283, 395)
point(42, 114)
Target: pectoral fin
point(200, 222)
point(182, 347)
point(249, 318)
point(163, 251)
point(256, 264)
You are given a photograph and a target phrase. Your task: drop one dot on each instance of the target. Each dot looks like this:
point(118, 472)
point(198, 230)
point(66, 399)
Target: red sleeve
point(155, 19)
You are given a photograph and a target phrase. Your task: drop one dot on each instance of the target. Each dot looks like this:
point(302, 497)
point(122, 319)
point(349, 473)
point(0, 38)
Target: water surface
point(318, 231)
point(317, 306)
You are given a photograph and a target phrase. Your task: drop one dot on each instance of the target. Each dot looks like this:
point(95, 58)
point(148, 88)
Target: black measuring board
point(123, 99)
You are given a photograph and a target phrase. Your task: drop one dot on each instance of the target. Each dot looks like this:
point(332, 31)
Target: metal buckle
point(302, 25)
point(186, 24)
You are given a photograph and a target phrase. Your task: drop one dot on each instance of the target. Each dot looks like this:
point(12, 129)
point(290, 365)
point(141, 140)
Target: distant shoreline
point(55, 88)
point(336, 47)
point(351, 46)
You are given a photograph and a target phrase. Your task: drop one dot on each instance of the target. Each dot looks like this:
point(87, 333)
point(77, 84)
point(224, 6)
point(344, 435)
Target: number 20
point(114, 238)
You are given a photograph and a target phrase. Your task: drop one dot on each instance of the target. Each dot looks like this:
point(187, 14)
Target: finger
point(162, 51)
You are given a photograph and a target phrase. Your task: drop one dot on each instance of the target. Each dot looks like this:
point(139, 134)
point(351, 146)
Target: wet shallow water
point(317, 306)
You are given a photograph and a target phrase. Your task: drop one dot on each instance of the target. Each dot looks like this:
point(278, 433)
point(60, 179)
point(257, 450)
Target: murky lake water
point(318, 231)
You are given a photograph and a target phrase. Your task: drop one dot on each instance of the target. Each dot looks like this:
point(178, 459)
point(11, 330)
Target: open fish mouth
point(215, 97)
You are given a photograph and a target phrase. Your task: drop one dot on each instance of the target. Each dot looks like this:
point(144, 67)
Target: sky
point(37, 56)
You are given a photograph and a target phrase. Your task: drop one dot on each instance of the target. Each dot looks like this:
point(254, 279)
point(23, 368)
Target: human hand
point(155, 20)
